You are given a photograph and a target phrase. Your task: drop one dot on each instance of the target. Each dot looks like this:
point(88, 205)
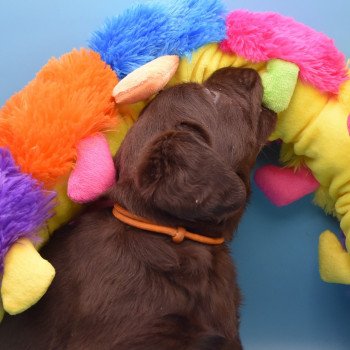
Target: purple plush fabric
point(24, 205)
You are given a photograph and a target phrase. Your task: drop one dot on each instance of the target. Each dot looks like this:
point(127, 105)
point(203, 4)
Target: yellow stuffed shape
point(29, 272)
point(205, 61)
point(315, 129)
point(334, 261)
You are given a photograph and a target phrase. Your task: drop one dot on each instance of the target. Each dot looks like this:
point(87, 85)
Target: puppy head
point(188, 157)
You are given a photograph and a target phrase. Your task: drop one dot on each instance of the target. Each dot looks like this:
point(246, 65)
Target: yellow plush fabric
point(315, 129)
point(334, 262)
point(205, 61)
point(125, 122)
point(64, 211)
point(26, 277)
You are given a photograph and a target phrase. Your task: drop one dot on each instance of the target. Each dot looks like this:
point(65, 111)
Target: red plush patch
point(283, 186)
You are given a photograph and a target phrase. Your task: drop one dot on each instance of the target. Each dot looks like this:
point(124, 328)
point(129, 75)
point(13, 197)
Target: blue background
point(286, 306)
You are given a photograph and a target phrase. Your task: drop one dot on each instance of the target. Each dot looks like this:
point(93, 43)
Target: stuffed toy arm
point(26, 277)
point(334, 260)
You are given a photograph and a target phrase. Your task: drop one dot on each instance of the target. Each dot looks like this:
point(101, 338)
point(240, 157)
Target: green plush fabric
point(279, 81)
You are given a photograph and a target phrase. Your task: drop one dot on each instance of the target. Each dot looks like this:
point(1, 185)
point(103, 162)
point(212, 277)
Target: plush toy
point(316, 137)
point(305, 79)
point(58, 135)
point(314, 128)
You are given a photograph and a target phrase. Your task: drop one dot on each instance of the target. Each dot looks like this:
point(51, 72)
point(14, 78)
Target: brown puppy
point(186, 162)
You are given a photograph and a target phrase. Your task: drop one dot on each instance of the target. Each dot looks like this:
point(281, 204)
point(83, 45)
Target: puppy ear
point(266, 124)
point(184, 177)
point(245, 78)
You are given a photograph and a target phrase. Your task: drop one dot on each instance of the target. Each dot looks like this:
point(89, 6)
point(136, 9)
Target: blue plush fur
point(147, 31)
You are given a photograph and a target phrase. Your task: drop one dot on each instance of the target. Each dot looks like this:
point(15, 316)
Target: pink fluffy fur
point(263, 36)
point(94, 171)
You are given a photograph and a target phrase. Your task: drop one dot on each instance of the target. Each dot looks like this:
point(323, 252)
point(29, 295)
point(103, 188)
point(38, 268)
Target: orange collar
point(178, 234)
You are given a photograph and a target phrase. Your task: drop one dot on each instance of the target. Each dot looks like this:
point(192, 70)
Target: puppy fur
point(186, 162)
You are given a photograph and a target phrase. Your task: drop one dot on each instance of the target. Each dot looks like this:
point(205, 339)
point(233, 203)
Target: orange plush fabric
point(69, 99)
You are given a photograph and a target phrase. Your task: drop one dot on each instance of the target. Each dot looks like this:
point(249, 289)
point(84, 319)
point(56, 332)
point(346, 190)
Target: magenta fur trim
point(260, 37)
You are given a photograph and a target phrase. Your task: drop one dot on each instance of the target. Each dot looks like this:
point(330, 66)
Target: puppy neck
point(132, 203)
point(178, 234)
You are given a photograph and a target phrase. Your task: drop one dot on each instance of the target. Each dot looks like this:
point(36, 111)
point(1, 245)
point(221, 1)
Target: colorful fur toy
point(314, 123)
point(53, 133)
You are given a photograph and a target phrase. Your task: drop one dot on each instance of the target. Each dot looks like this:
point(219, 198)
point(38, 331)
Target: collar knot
point(178, 234)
